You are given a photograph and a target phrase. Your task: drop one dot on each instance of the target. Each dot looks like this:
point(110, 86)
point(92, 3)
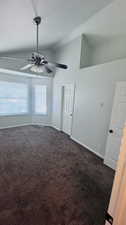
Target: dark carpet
point(47, 179)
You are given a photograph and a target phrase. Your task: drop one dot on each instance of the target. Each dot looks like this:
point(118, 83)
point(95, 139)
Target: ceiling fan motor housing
point(37, 20)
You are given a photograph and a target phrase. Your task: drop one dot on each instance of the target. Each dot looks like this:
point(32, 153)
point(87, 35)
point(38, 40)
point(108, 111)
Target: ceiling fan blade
point(48, 69)
point(26, 67)
point(31, 60)
point(11, 58)
point(59, 65)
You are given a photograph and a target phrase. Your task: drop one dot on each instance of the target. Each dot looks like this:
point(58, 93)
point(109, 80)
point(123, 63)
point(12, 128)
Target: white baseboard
point(39, 124)
point(26, 124)
point(85, 146)
point(56, 127)
point(110, 163)
point(21, 125)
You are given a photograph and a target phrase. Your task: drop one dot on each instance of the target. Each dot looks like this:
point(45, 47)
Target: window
point(40, 99)
point(13, 98)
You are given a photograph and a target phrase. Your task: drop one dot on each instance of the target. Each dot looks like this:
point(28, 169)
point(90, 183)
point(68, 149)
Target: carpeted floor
point(47, 179)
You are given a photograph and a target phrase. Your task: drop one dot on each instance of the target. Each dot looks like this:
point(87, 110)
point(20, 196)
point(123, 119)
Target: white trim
point(14, 114)
point(26, 124)
point(14, 72)
point(110, 163)
point(41, 124)
point(13, 126)
point(55, 127)
point(85, 146)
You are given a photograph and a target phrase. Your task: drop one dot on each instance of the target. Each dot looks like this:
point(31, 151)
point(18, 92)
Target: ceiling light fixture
point(37, 69)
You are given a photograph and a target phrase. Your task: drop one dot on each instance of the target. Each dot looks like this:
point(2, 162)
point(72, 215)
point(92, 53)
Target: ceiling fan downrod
point(37, 21)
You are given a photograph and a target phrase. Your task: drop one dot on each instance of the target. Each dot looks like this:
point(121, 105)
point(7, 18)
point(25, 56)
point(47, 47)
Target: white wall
point(94, 96)
point(86, 52)
point(95, 88)
point(94, 85)
point(70, 55)
point(107, 50)
point(12, 121)
point(105, 32)
point(30, 118)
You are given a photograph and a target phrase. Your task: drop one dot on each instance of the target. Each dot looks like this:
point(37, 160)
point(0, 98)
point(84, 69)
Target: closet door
point(68, 104)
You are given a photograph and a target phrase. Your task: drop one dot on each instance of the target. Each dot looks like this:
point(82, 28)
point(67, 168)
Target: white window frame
point(33, 100)
point(31, 82)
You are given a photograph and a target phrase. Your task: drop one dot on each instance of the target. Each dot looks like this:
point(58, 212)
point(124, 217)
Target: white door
point(68, 104)
point(115, 132)
point(117, 206)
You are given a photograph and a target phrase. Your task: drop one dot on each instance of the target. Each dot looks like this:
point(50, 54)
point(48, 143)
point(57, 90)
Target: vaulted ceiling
point(60, 17)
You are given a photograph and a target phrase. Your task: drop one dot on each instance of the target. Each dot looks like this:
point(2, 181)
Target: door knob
point(111, 131)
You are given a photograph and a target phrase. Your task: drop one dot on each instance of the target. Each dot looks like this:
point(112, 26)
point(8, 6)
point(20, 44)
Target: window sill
point(39, 114)
point(24, 114)
point(13, 115)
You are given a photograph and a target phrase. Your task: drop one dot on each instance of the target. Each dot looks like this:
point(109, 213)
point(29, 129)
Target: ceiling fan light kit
point(37, 69)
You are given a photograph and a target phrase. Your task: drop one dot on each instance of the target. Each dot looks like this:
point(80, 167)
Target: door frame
point(62, 105)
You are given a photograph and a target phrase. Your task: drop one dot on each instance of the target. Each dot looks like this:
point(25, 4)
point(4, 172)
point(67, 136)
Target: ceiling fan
point(38, 63)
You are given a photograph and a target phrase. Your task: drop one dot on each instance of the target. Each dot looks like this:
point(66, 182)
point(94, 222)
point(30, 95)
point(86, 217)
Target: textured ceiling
point(60, 17)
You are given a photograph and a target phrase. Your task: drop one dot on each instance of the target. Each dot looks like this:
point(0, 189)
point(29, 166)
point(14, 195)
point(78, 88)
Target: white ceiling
point(60, 17)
